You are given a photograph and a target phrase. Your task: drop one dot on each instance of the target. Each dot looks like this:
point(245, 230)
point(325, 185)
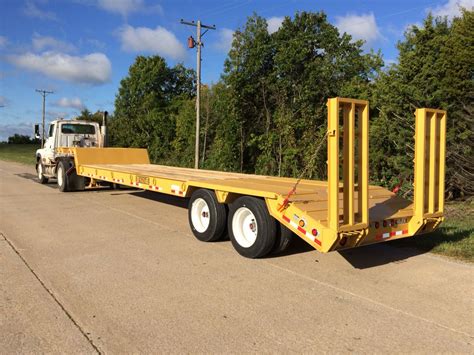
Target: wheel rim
point(60, 176)
point(200, 216)
point(40, 171)
point(244, 227)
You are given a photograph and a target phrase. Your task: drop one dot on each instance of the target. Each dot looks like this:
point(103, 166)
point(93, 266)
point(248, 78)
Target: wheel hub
point(200, 215)
point(244, 227)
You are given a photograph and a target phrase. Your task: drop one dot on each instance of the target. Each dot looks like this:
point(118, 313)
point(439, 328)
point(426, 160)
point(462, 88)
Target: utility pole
point(191, 44)
point(43, 93)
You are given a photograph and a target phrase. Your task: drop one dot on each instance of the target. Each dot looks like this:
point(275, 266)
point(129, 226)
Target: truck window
point(69, 128)
point(51, 130)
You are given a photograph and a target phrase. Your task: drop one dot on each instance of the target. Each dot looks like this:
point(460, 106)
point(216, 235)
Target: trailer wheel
point(207, 217)
point(284, 236)
point(252, 230)
point(63, 179)
point(41, 178)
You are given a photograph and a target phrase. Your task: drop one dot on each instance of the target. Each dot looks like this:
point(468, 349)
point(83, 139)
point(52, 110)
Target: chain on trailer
point(307, 167)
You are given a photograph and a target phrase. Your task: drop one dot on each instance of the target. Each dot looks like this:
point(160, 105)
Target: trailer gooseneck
point(260, 217)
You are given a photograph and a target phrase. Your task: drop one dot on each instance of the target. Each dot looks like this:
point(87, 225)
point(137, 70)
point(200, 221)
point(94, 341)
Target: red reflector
point(384, 223)
point(377, 224)
point(314, 232)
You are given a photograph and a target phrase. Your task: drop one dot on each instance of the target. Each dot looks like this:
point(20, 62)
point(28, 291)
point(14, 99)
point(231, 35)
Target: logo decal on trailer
point(143, 180)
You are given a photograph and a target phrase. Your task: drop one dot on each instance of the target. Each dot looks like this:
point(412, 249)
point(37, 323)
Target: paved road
point(119, 271)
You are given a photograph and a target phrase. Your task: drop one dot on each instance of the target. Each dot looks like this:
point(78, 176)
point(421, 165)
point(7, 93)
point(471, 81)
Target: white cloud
point(3, 41)
point(452, 8)
point(9, 129)
point(274, 24)
point(4, 101)
point(359, 27)
point(32, 10)
point(225, 38)
point(94, 68)
point(158, 40)
point(45, 42)
point(73, 102)
point(126, 7)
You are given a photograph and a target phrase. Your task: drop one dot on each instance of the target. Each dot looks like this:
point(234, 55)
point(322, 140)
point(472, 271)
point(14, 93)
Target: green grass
point(455, 236)
point(20, 153)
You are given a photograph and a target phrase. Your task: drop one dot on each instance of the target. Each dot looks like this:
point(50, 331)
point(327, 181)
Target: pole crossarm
point(192, 23)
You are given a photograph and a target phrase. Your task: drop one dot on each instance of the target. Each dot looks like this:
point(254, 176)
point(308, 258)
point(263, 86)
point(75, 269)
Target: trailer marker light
point(384, 223)
point(377, 225)
point(314, 232)
point(301, 223)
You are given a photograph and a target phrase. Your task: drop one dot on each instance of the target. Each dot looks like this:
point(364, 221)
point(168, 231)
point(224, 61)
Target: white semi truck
point(54, 163)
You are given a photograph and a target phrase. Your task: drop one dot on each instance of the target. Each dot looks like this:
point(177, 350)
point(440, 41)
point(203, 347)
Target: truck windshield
point(69, 128)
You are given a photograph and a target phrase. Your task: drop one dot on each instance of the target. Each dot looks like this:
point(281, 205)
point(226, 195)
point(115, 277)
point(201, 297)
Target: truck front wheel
point(252, 230)
point(62, 177)
point(40, 169)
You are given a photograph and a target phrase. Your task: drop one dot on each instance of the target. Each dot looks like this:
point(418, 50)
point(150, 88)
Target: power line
point(43, 93)
point(191, 44)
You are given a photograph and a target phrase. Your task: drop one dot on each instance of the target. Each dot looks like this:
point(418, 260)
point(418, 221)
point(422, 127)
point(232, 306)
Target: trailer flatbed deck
point(343, 212)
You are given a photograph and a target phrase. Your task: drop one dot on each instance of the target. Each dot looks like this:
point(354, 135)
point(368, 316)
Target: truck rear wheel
point(41, 178)
point(252, 230)
point(63, 179)
point(207, 217)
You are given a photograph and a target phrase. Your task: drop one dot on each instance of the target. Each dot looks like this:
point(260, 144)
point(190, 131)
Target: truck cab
point(66, 134)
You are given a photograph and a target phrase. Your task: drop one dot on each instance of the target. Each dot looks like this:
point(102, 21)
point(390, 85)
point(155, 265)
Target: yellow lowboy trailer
point(343, 212)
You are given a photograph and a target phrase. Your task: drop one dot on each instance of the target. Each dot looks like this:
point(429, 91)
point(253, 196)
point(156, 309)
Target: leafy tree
point(435, 69)
point(21, 139)
point(146, 105)
point(86, 115)
point(280, 83)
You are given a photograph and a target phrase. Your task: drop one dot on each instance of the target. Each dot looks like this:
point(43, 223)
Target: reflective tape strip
point(176, 190)
point(391, 234)
point(301, 230)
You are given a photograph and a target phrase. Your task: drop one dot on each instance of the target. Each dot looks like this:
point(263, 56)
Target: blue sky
point(81, 49)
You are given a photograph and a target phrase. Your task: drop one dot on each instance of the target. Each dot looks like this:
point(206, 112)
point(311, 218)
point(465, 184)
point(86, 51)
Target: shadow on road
point(158, 197)
point(33, 177)
point(377, 255)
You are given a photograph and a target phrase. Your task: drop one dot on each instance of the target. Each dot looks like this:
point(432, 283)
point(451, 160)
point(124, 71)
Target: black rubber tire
point(266, 227)
point(41, 179)
point(78, 182)
point(217, 216)
point(283, 239)
point(63, 180)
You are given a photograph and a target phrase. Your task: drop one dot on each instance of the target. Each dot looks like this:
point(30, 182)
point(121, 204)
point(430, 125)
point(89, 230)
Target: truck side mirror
point(37, 131)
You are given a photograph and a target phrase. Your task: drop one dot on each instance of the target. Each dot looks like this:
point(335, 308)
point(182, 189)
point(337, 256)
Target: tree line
point(267, 113)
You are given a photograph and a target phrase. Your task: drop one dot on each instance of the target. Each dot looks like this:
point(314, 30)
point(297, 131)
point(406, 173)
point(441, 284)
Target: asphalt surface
point(120, 272)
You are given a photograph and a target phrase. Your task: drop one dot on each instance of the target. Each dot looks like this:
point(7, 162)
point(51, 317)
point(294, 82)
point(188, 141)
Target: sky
point(81, 49)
